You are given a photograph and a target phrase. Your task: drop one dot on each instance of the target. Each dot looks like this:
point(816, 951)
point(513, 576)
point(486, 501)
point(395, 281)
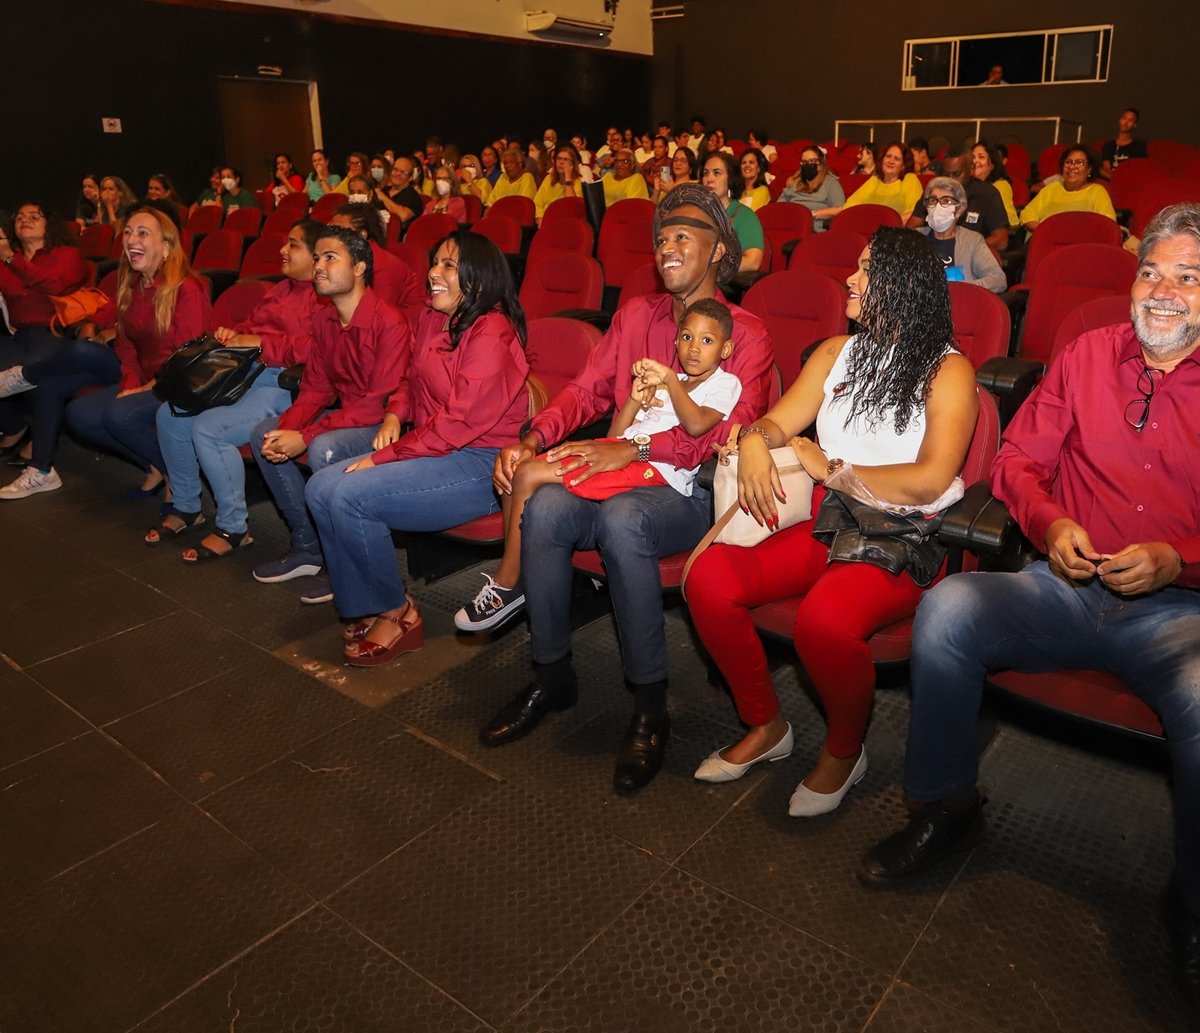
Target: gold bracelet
point(756, 430)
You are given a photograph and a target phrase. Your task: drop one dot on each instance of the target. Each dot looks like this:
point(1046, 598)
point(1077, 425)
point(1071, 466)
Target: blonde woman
point(161, 304)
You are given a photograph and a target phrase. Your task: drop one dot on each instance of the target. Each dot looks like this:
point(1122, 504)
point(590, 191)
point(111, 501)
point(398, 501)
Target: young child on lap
point(659, 400)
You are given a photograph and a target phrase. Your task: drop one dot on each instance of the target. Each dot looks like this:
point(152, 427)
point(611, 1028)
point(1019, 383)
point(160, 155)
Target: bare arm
point(624, 418)
point(695, 419)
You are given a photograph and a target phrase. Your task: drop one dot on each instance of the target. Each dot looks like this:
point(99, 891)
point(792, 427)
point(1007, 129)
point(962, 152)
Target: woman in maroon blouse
point(161, 304)
point(38, 259)
point(465, 396)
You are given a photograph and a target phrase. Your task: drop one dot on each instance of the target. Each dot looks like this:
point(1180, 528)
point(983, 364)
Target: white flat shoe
point(714, 768)
point(806, 803)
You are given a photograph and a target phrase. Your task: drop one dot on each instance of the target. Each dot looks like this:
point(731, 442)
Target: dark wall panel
point(775, 63)
point(156, 67)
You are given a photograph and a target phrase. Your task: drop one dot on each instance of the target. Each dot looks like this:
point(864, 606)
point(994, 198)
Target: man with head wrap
point(694, 248)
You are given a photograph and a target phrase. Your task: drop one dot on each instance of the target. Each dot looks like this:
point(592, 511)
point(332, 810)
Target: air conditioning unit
point(551, 26)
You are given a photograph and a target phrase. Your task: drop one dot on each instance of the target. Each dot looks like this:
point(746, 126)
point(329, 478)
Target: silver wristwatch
point(643, 446)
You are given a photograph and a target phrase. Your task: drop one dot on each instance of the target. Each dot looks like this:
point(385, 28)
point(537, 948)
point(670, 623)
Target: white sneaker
point(31, 481)
point(13, 382)
point(490, 608)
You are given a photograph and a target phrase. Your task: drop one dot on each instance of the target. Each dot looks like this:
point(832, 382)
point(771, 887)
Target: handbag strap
point(703, 544)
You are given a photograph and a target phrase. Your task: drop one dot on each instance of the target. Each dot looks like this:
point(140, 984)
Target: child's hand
point(651, 372)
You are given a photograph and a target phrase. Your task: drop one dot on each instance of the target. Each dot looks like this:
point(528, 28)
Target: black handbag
point(203, 373)
point(858, 533)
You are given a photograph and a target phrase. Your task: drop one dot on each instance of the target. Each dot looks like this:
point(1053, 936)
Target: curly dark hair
point(905, 329)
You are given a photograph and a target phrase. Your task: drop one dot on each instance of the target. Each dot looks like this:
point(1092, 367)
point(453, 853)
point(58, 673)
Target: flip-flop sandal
point(166, 532)
point(204, 554)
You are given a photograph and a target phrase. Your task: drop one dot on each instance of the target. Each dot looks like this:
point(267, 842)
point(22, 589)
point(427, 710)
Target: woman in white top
point(895, 409)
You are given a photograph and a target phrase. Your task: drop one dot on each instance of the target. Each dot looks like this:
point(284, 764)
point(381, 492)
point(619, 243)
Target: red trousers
point(843, 605)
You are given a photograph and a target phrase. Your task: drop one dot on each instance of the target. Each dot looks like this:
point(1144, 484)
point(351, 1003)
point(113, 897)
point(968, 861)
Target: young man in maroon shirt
point(1098, 469)
point(359, 357)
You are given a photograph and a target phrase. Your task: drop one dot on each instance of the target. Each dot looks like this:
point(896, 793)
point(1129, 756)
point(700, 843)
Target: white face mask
point(443, 187)
point(377, 174)
point(468, 172)
point(549, 144)
point(229, 184)
point(941, 219)
point(359, 198)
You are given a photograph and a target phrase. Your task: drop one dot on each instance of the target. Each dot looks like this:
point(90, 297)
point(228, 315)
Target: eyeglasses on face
point(944, 202)
point(1074, 163)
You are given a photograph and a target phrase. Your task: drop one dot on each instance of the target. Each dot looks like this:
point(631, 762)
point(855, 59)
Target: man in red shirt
point(1099, 470)
point(359, 356)
point(694, 247)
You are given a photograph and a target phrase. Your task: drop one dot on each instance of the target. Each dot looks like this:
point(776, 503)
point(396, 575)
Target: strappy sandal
point(203, 553)
point(357, 631)
point(374, 654)
point(167, 532)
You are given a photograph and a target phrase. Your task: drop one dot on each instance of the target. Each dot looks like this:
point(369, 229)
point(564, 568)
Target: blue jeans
point(355, 514)
point(631, 530)
point(60, 367)
point(123, 426)
point(1034, 621)
point(209, 442)
point(286, 480)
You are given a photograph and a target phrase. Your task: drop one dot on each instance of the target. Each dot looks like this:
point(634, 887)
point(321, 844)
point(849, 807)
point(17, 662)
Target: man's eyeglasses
point(1137, 412)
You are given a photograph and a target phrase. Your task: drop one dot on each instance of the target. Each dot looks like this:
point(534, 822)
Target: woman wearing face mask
point(87, 205)
point(281, 325)
point(472, 179)
point(963, 252)
point(116, 199)
point(380, 171)
point(285, 180)
point(233, 194)
point(723, 176)
point(466, 397)
point(814, 186)
point(359, 189)
point(754, 176)
point(563, 180)
point(892, 184)
point(446, 197)
point(160, 304)
point(321, 180)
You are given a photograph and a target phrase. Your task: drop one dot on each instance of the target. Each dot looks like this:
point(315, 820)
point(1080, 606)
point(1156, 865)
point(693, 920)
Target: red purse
point(606, 484)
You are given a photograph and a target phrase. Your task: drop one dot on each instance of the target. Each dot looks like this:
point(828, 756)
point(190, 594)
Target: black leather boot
point(554, 687)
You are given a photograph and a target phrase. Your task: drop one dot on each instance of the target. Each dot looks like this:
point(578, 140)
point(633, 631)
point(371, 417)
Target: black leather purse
point(203, 374)
point(858, 533)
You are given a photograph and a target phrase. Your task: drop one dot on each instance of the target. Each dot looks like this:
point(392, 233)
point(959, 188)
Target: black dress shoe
point(642, 751)
point(936, 831)
point(1184, 928)
point(521, 714)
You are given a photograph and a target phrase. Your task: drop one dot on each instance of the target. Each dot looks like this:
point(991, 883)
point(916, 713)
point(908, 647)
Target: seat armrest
point(1006, 376)
point(979, 522)
point(289, 379)
point(596, 317)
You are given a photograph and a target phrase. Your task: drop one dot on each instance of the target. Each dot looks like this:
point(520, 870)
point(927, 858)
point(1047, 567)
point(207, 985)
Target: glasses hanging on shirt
point(1137, 412)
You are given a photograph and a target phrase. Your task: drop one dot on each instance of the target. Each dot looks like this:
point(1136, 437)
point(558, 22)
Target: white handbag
point(734, 527)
